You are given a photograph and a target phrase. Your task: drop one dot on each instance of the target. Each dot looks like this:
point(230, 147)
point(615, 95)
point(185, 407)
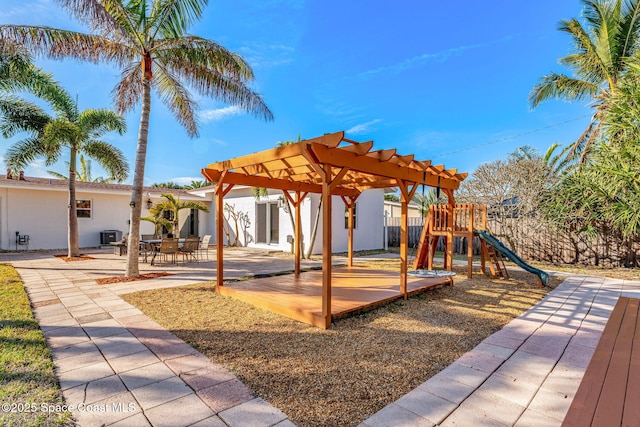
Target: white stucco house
point(38, 206)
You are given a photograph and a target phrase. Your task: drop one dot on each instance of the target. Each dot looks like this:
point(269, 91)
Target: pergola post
point(219, 234)
point(326, 246)
point(350, 202)
point(406, 194)
point(220, 193)
point(297, 235)
point(297, 242)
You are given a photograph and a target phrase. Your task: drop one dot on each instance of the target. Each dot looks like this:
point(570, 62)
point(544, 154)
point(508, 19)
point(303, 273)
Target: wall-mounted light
point(132, 204)
point(282, 204)
point(149, 203)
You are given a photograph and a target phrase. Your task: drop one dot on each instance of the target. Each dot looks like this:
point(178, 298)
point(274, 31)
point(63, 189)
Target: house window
point(346, 216)
point(83, 208)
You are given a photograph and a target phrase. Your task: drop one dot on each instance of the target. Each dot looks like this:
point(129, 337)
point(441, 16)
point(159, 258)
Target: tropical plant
point(148, 40)
point(196, 184)
point(175, 205)
point(158, 222)
point(426, 199)
point(49, 136)
point(604, 50)
point(169, 184)
point(83, 174)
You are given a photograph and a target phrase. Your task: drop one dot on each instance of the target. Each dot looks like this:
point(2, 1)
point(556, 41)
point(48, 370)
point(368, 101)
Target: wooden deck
point(610, 391)
point(354, 289)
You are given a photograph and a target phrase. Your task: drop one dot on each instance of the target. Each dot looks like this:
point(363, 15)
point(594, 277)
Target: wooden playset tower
point(449, 221)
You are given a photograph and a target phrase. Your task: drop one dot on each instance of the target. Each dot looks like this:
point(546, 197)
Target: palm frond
point(57, 175)
point(203, 53)
point(128, 92)
point(60, 133)
point(212, 84)
point(17, 115)
point(560, 86)
point(96, 122)
point(62, 44)
point(105, 17)
point(177, 98)
point(109, 157)
point(630, 30)
point(587, 61)
point(26, 151)
point(172, 18)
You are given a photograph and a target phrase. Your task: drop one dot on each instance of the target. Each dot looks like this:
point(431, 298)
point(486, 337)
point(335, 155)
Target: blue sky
point(446, 81)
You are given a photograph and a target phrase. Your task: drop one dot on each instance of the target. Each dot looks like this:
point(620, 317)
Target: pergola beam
point(274, 183)
point(373, 166)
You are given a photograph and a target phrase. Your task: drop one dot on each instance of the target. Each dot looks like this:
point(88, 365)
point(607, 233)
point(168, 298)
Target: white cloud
point(186, 180)
point(218, 114)
point(38, 169)
point(362, 127)
point(420, 60)
point(267, 55)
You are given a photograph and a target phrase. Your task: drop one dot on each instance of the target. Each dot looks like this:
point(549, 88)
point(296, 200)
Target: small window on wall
point(346, 216)
point(83, 208)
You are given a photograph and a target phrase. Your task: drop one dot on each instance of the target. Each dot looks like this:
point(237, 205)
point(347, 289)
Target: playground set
point(466, 221)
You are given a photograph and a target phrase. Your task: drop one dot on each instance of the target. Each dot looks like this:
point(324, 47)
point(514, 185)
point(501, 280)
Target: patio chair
point(204, 246)
point(168, 247)
point(190, 248)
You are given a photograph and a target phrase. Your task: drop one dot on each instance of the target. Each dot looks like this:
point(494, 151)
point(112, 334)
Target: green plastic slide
point(490, 239)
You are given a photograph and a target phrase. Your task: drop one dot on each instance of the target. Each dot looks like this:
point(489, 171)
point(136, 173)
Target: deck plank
point(631, 407)
point(583, 406)
point(353, 289)
point(612, 397)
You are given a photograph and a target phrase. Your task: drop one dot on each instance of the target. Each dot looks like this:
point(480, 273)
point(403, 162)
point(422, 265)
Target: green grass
point(27, 378)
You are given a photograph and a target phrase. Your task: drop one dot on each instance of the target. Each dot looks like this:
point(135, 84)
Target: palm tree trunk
point(72, 229)
point(138, 182)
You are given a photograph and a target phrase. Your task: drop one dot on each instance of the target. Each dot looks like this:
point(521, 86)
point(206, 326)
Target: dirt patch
point(341, 376)
point(121, 279)
point(82, 257)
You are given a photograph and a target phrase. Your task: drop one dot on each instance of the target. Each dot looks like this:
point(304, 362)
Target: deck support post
point(406, 194)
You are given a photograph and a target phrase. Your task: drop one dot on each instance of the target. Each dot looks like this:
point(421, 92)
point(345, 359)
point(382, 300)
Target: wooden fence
point(532, 241)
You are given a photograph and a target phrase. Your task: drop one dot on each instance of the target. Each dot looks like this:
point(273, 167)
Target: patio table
point(155, 245)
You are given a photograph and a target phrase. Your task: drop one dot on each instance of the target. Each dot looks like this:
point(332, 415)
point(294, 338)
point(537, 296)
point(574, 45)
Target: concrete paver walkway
point(527, 373)
point(118, 367)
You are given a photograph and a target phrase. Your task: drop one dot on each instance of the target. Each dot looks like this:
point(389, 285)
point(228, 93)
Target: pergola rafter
point(331, 165)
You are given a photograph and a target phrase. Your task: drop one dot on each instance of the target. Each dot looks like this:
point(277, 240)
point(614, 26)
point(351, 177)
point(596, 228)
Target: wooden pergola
point(331, 165)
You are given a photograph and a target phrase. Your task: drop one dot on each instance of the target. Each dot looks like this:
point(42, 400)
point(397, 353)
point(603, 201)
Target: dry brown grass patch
point(345, 374)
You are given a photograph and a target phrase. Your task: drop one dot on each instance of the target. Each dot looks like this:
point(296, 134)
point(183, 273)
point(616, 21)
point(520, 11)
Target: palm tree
point(148, 40)
point(174, 205)
point(50, 135)
point(601, 59)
